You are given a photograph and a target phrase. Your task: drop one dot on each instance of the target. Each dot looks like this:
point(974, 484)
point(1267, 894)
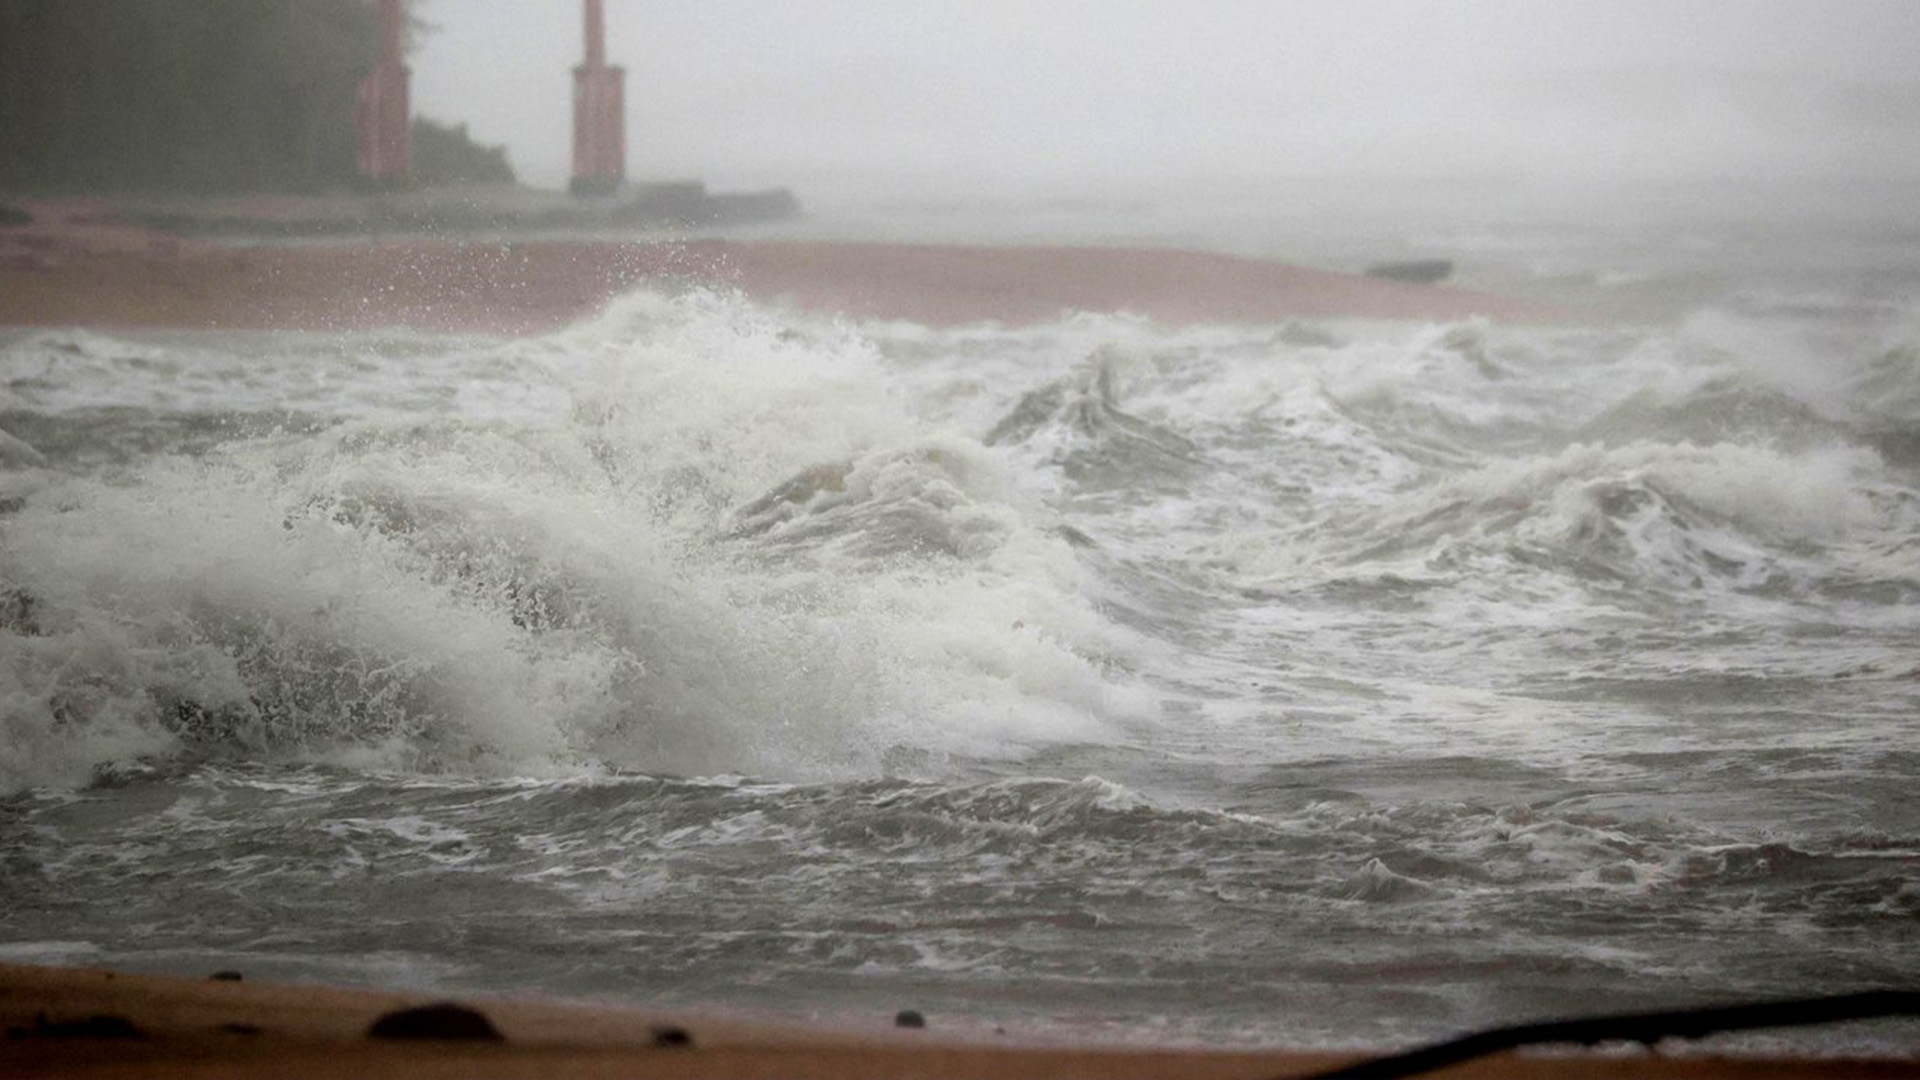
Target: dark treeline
point(181, 95)
point(447, 155)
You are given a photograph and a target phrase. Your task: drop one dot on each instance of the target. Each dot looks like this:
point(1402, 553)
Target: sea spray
point(572, 594)
point(1310, 682)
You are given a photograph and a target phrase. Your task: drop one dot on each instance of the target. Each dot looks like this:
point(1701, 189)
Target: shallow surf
point(1321, 683)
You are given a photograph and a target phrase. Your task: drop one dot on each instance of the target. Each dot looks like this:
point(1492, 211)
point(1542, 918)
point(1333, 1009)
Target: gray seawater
point(1306, 684)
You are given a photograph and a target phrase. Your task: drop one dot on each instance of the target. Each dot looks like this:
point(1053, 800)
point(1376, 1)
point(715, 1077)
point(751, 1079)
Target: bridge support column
point(599, 114)
point(382, 117)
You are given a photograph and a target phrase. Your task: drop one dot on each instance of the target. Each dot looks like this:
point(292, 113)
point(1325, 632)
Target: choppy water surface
point(1301, 684)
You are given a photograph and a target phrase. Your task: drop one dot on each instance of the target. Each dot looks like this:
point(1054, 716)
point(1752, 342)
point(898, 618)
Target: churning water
point(1304, 684)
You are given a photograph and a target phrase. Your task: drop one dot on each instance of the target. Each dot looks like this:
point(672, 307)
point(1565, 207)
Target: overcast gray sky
point(1108, 96)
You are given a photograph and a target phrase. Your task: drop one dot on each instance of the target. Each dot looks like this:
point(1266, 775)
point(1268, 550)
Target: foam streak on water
point(1299, 684)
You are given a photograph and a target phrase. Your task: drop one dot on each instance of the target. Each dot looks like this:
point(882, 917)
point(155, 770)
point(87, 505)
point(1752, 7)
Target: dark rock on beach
point(102, 1026)
point(671, 1036)
point(445, 1021)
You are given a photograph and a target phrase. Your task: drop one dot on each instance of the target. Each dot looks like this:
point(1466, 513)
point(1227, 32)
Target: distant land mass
point(199, 96)
point(203, 96)
point(185, 111)
point(460, 209)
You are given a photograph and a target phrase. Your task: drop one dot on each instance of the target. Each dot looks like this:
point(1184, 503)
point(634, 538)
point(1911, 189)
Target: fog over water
point(1100, 98)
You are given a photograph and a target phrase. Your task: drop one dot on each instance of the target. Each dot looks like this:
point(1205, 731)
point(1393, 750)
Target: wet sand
point(79, 269)
point(82, 1023)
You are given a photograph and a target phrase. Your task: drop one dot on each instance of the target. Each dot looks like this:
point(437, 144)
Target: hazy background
point(1111, 98)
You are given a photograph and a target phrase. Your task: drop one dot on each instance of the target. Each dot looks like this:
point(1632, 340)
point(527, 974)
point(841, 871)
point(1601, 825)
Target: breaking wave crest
point(1322, 682)
point(697, 536)
point(581, 591)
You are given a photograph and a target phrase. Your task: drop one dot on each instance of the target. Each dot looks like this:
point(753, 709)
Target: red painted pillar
point(599, 113)
point(381, 116)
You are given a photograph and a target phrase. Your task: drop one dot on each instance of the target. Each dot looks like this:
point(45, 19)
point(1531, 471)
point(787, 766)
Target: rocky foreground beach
point(80, 1023)
point(77, 264)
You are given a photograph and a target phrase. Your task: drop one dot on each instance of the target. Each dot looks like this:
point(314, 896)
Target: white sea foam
point(550, 597)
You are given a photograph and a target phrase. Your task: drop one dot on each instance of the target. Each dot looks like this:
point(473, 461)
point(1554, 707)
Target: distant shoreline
point(89, 268)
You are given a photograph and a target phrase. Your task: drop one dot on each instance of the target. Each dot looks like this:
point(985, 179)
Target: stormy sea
point(1316, 683)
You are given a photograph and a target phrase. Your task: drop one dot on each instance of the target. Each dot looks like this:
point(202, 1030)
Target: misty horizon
point(945, 98)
